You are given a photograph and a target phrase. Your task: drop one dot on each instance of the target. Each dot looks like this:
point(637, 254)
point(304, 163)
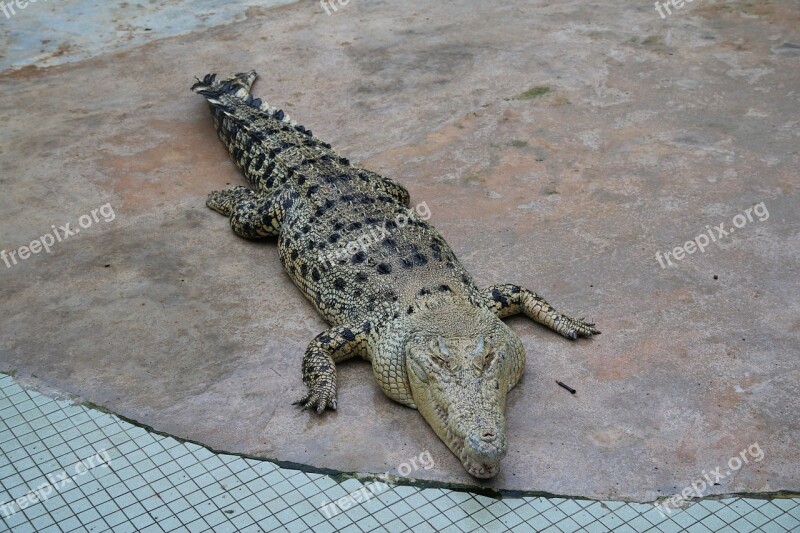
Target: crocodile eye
point(419, 371)
point(484, 361)
point(442, 357)
point(444, 362)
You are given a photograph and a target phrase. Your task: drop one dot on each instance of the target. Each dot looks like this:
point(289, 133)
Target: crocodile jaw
point(460, 426)
point(463, 400)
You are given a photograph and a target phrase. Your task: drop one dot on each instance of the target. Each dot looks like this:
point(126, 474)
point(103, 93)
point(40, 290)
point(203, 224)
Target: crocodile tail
point(238, 86)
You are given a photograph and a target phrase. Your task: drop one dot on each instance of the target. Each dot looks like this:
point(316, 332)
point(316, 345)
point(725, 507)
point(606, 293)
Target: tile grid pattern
point(96, 472)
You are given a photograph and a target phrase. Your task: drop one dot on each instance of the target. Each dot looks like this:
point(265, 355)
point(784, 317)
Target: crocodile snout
point(486, 445)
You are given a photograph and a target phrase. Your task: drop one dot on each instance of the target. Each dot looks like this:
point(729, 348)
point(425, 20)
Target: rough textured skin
point(387, 282)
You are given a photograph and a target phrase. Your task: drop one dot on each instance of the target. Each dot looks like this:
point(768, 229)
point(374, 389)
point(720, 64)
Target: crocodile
point(402, 301)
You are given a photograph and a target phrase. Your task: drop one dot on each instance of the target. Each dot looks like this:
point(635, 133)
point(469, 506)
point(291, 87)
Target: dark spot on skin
point(367, 327)
point(312, 190)
point(303, 269)
point(311, 245)
point(301, 179)
point(325, 339)
point(320, 211)
point(407, 263)
point(384, 268)
point(497, 297)
point(514, 289)
point(410, 310)
point(444, 288)
point(348, 335)
point(357, 293)
point(339, 283)
point(424, 292)
point(287, 203)
point(359, 257)
point(371, 220)
point(306, 228)
point(295, 255)
point(338, 226)
point(315, 274)
point(333, 238)
point(388, 241)
point(329, 203)
point(354, 226)
point(420, 259)
point(361, 276)
point(391, 224)
point(347, 198)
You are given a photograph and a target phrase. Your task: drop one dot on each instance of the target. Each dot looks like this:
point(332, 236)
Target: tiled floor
point(77, 469)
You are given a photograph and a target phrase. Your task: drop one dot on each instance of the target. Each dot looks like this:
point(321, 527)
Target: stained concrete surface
point(559, 145)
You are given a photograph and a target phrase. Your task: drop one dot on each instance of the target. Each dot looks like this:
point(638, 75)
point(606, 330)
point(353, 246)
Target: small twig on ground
point(570, 389)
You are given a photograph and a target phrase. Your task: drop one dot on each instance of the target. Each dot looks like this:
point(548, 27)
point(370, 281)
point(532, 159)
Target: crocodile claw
point(318, 400)
point(579, 328)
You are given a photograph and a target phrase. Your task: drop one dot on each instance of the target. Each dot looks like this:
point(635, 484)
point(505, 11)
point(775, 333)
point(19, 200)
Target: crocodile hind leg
point(253, 215)
point(319, 363)
point(507, 300)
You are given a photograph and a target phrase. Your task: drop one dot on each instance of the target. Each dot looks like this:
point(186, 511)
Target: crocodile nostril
point(488, 435)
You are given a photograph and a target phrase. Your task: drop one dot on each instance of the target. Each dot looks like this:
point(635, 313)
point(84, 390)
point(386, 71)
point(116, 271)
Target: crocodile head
point(459, 385)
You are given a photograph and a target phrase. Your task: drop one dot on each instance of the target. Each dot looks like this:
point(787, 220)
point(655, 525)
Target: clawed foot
point(222, 201)
point(572, 328)
point(321, 395)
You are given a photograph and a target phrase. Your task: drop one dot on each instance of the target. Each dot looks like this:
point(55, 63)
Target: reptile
point(402, 301)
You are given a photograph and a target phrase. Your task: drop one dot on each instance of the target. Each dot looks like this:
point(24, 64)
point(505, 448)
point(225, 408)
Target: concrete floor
point(559, 145)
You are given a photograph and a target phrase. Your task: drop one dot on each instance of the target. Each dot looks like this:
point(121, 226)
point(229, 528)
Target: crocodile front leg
point(319, 363)
point(253, 215)
point(507, 300)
